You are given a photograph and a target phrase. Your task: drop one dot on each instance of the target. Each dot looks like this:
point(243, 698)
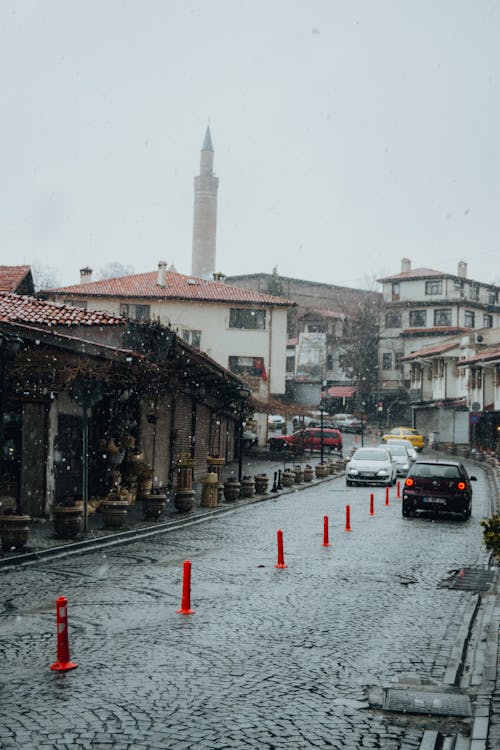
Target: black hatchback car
point(438, 486)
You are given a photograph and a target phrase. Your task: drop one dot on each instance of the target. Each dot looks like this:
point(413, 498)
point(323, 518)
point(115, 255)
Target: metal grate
point(426, 702)
point(469, 579)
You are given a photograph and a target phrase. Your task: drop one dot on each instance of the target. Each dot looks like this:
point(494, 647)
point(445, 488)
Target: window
point(433, 287)
point(192, 337)
point(142, 312)
point(395, 291)
point(474, 291)
point(487, 321)
point(290, 364)
point(393, 319)
point(81, 303)
point(469, 319)
point(253, 366)
point(442, 317)
point(397, 360)
point(329, 361)
point(343, 361)
point(244, 318)
point(137, 312)
point(458, 284)
point(493, 298)
point(387, 361)
point(418, 317)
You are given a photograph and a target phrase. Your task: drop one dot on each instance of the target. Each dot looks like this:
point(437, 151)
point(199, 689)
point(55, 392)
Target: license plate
point(434, 500)
point(366, 475)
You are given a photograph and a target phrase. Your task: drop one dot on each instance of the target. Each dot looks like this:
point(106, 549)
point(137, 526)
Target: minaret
point(205, 213)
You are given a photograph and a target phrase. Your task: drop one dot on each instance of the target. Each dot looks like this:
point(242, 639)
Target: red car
point(308, 440)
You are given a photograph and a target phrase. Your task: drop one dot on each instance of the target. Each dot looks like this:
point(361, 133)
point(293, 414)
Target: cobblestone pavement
point(272, 658)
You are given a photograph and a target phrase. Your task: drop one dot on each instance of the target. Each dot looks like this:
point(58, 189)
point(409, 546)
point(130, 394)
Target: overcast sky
point(347, 134)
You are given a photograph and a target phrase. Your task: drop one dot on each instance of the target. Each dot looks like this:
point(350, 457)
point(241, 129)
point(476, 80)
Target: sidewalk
point(43, 542)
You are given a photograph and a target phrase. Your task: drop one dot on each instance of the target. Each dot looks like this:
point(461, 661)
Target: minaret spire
point(205, 213)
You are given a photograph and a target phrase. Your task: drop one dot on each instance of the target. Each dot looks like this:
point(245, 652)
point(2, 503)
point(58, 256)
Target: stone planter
point(308, 474)
point(153, 506)
point(247, 487)
point(232, 490)
point(68, 520)
point(288, 478)
point(144, 486)
point(299, 474)
point(184, 500)
point(14, 530)
point(261, 483)
point(321, 470)
point(114, 513)
point(210, 490)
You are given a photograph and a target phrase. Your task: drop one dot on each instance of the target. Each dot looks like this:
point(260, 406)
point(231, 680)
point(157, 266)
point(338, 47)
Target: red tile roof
point(22, 309)
point(433, 349)
point(417, 273)
point(434, 330)
point(177, 286)
point(487, 355)
point(12, 276)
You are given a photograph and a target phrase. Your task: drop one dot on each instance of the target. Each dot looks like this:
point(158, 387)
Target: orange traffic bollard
point(348, 518)
point(326, 542)
point(63, 663)
point(281, 554)
point(387, 496)
point(372, 509)
point(398, 494)
point(185, 608)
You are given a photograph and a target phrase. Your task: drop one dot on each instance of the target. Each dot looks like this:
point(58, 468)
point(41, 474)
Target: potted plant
point(114, 511)
point(308, 473)
point(247, 486)
point(261, 483)
point(144, 476)
point(67, 514)
point(288, 478)
point(154, 504)
point(322, 470)
point(14, 528)
point(299, 474)
point(232, 489)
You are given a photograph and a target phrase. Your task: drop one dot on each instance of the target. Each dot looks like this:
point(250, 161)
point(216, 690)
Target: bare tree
point(44, 276)
point(115, 270)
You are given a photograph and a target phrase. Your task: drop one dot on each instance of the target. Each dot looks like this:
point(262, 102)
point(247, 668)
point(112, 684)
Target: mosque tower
point(205, 213)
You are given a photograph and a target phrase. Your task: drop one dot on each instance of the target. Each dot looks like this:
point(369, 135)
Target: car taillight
point(461, 486)
point(409, 482)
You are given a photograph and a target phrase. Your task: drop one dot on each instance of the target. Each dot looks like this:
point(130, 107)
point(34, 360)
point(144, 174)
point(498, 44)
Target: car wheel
point(405, 510)
point(348, 483)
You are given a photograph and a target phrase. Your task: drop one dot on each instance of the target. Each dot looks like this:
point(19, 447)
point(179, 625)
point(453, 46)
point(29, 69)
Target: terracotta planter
point(232, 489)
point(308, 474)
point(321, 470)
point(184, 500)
point(299, 474)
point(68, 520)
point(261, 483)
point(14, 531)
point(114, 513)
point(247, 487)
point(153, 506)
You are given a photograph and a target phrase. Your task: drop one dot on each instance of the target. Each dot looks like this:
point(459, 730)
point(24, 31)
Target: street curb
point(131, 535)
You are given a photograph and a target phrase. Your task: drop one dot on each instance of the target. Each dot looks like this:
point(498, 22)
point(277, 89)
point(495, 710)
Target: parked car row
point(309, 439)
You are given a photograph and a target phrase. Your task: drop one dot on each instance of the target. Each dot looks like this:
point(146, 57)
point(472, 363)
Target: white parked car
point(371, 466)
point(275, 422)
point(347, 423)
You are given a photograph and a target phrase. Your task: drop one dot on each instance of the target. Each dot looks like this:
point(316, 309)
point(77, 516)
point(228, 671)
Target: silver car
point(400, 456)
point(412, 451)
point(371, 466)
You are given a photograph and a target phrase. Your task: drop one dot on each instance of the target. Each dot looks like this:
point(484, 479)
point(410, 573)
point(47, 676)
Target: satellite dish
point(475, 406)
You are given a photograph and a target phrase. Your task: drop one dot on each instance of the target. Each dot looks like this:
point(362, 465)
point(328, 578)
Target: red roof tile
point(177, 286)
point(417, 273)
point(12, 276)
point(433, 349)
point(488, 354)
point(22, 309)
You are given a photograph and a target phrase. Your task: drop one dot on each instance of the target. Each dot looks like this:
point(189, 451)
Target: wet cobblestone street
point(271, 658)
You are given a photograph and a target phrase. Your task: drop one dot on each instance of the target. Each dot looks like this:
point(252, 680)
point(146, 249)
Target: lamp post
point(244, 393)
point(321, 428)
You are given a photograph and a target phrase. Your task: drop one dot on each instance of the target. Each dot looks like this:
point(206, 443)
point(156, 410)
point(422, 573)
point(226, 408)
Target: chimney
point(162, 273)
point(219, 276)
point(405, 265)
point(462, 269)
point(85, 275)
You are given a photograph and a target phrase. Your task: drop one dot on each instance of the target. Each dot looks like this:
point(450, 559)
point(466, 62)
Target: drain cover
point(420, 702)
point(469, 579)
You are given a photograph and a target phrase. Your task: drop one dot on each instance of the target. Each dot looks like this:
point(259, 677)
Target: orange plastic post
point(387, 496)
point(372, 509)
point(281, 554)
point(63, 663)
point(348, 518)
point(326, 542)
point(398, 494)
point(185, 608)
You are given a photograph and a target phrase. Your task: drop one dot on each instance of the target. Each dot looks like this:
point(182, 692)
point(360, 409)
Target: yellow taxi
point(405, 433)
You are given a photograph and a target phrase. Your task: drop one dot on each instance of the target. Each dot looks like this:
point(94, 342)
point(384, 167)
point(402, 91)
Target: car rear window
point(440, 471)
point(369, 454)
